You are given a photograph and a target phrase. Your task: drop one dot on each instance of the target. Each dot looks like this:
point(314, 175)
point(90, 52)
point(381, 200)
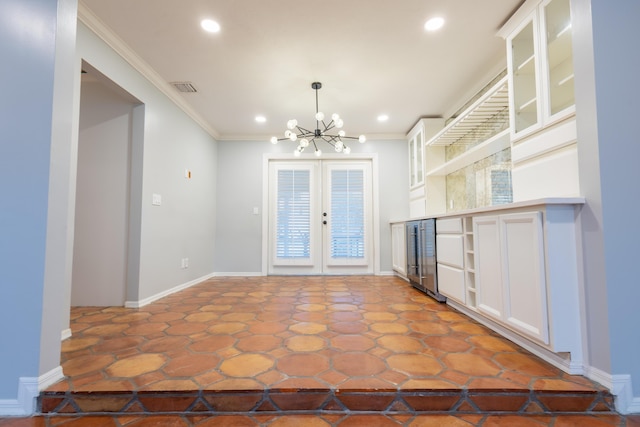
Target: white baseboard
point(238, 274)
point(50, 378)
point(149, 300)
point(572, 367)
point(622, 388)
point(25, 403)
point(386, 273)
point(65, 334)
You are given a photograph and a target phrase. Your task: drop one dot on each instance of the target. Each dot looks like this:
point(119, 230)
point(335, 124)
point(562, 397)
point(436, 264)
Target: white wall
point(240, 174)
point(102, 196)
point(183, 226)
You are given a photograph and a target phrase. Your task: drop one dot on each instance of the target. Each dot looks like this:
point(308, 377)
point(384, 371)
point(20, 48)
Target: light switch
point(156, 200)
point(256, 211)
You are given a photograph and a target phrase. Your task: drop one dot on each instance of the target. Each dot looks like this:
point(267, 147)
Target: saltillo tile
point(366, 401)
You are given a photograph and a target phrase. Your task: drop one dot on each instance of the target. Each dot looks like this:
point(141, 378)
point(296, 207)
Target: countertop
point(508, 206)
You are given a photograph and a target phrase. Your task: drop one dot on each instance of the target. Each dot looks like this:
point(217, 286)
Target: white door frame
point(373, 157)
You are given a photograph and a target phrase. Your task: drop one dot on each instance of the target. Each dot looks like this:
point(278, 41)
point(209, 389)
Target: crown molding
point(266, 138)
point(88, 18)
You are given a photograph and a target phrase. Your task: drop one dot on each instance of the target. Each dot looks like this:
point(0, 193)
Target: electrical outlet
point(184, 263)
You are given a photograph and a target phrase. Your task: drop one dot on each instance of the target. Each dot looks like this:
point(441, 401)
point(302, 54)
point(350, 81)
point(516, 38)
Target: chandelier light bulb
point(293, 136)
point(339, 123)
point(346, 150)
point(304, 142)
point(319, 116)
point(287, 133)
point(296, 152)
point(362, 139)
point(274, 140)
point(318, 153)
point(341, 133)
point(335, 116)
point(292, 123)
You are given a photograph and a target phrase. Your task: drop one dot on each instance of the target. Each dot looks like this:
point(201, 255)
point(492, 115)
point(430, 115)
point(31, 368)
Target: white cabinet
point(509, 266)
point(420, 195)
point(450, 258)
point(398, 248)
point(544, 150)
point(540, 65)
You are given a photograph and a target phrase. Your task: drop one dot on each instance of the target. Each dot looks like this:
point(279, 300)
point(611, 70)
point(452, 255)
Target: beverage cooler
point(421, 257)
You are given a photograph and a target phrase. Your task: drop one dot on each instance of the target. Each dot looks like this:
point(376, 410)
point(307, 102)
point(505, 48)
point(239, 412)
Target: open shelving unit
point(479, 132)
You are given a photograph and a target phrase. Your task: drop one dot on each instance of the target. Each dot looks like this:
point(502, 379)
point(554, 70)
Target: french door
point(320, 217)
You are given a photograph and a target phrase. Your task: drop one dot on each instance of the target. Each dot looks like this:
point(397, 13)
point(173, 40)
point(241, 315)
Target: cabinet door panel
point(450, 250)
point(489, 287)
point(525, 303)
point(451, 282)
point(449, 225)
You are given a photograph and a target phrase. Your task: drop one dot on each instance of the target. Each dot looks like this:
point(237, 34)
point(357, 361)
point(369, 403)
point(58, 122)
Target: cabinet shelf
point(528, 106)
point(489, 105)
point(491, 146)
point(526, 66)
point(565, 80)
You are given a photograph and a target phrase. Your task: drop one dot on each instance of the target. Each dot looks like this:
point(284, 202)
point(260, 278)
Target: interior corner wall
point(183, 225)
point(240, 175)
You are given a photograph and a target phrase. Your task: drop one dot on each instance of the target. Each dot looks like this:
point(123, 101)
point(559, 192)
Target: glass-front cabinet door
point(540, 58)
point(559, 64)
point(523, 48)
point(416, 168)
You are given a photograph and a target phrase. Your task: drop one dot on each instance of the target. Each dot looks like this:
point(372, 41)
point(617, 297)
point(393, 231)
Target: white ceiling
point(372, 57)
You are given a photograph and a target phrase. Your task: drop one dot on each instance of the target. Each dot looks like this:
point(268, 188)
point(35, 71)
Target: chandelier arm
point(332, 139)
point(329, 126)
point(329, 141)
point(304, 132)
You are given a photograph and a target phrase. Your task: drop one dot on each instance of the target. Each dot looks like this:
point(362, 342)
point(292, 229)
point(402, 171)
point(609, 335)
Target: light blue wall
point(617, 67)
point(240, 187)
point(183, 226)
point(27, 49)
point(607, 66)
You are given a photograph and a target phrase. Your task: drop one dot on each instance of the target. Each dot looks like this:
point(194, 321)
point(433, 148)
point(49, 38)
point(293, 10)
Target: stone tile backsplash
point(484, 183)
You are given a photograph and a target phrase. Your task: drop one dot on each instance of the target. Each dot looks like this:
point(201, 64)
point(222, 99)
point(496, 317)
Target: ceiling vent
point(185, 87)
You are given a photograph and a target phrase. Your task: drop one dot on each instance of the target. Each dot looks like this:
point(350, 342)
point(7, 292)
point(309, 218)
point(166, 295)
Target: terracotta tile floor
point(266, 346)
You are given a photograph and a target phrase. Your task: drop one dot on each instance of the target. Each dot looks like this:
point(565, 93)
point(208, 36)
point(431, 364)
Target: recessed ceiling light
point(434, 24)
point(261, 119)
point(210, 25)
point(383, 118)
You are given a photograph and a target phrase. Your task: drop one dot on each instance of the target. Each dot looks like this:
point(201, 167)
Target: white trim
point(572, 367)
point(65, 334)
point(149, 300)
point(387, 273)
point(622, 388)
point(239, 274)
point(88, 18)
point(50, 378)
point(25, 403)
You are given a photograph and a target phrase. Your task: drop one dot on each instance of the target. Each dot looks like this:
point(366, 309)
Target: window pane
point(293, 229)
point(347, 214)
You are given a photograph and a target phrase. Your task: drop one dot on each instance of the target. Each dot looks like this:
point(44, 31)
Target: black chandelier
point(323, 132)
